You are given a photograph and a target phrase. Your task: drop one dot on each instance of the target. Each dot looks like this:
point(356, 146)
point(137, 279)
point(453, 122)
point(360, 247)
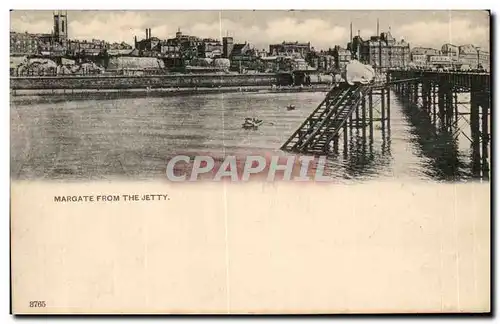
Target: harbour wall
point(28, 96)
point(137, 82)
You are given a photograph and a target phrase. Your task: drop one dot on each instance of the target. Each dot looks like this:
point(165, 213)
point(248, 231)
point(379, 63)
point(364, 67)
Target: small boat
point(252, 123)
point(290, 107)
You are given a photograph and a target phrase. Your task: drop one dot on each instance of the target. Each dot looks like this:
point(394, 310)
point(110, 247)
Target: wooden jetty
point(435, 93)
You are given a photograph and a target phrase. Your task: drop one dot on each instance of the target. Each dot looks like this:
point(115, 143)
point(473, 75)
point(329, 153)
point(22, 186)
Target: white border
point(256, 4)
point(184, 4)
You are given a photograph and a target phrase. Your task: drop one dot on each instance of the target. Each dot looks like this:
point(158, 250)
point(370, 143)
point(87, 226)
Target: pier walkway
point(326, 121)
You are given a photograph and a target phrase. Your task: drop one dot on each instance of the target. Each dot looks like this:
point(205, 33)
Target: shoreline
point(57, 95)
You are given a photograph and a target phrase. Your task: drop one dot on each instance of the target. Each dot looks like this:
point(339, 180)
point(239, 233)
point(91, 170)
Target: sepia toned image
point(250, 161)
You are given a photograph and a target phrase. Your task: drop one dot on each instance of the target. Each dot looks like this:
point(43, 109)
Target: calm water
point(133, 138)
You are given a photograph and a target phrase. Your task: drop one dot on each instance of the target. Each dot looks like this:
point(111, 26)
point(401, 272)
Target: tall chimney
point(146, 33)
point(350, 39)
point(378, 28)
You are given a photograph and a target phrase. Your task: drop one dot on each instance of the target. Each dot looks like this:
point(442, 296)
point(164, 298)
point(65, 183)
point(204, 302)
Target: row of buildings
point(451, 56)
point(22, 44)
point(184, 49)
point(382, 51)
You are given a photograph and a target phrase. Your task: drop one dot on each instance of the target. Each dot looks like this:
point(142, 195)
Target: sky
point(324, 29)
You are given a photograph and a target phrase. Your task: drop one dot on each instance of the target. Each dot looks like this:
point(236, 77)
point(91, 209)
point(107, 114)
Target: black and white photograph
point(250, 161)
point(114, 94)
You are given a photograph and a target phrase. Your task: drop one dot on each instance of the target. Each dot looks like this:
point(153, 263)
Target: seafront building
point(322, 61)
point(382, 52)
point(86, 48)
point(473, 56)
point(23, 44)
point(420, 55)
point(243, 57)
point(342, 56)
point(450, 50)
point(295, 49)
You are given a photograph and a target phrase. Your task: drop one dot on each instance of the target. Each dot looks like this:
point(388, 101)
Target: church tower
point(61, 26)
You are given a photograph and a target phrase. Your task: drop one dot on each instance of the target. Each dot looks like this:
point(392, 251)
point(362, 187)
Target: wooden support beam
point(455, 106)
point(415, 92)
point(357, 115)
point(475, 134)
point(485, 133)
point(382, 108)
point(388, 106)
point(363, 116)
point(434, 104)
point(370, 114)
point(345, 134)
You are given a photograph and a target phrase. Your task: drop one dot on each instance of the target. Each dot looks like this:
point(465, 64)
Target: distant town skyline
point(324, 29)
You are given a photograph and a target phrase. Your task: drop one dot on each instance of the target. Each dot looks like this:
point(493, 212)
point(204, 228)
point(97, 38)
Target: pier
point(436, 95)
point(348, 112)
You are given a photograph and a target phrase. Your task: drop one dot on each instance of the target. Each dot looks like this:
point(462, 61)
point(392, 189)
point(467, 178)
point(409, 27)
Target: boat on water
point(252, 123)
point(290, 107)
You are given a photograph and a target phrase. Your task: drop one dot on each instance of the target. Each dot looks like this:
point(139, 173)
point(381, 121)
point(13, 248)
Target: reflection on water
point(134, 138)
point(363, 160)
point(441, 158)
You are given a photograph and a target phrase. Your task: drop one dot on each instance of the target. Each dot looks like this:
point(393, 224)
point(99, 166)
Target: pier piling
point(439, 94)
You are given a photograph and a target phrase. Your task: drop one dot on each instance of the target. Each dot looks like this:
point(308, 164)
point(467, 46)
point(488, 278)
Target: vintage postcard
point(250, 162)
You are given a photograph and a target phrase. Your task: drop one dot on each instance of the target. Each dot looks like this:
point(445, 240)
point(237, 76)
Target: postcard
point(250, 161)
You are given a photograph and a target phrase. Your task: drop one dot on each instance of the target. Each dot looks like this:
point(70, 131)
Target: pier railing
point(454, 78)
